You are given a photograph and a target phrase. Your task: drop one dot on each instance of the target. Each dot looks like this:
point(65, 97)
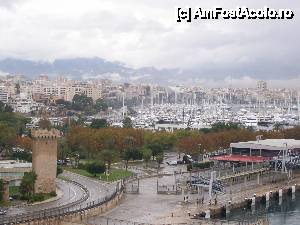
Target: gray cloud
point(9, 4)
point(249, 82)
point(145, 33)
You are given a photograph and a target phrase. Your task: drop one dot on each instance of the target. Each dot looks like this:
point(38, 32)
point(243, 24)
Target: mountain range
point(88, 68)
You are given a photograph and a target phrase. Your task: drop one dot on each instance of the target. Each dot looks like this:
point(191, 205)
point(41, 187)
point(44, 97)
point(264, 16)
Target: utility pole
point(284, 156)
point(212, 179)
point(123, 103)
point(298, 108)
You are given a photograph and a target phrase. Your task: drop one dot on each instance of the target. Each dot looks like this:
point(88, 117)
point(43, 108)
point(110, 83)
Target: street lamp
point(106, 172)
point(200, 156)
point(259, 137)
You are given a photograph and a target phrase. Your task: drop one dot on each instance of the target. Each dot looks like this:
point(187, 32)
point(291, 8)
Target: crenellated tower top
point(45, 134)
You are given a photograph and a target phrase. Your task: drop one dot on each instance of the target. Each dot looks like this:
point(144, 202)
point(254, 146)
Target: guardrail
point(60, 211)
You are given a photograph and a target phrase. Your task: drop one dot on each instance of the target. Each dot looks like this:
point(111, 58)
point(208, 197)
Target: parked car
point(172, 163)
point(3, 212)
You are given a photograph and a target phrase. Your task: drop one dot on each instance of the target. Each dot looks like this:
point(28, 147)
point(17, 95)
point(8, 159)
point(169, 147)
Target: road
point(143, 207)
point(71, 193)
point(97, 189)
point(152, 208)
point(147, 206)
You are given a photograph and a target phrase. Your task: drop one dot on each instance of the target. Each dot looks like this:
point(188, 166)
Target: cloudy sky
point(145, 33)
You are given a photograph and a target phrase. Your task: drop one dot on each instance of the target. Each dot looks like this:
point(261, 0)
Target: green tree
point(59, 170)
point(220, 126)
point(75, 158)
point(99, 123)
point(128, 151)
point(14, 120)
point(63, 149)
point(156, 148)
point(94, 168)
point(101, 105)
point(64, 103)
point(5, 107)
point(27, 185)
point(147, 153)
point(127, 123)
point(108, 156)
point(126, 156)
point(159, 159)
point(7, 138)
point(131, 153)
point(82, 102)
point(1, 190)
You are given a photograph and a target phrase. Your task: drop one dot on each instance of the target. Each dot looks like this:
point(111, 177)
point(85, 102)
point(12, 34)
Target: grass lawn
point(43, 197)
point(115, 174)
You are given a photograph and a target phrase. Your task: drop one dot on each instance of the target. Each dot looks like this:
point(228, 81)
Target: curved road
point(71, 194)
point(97, 189)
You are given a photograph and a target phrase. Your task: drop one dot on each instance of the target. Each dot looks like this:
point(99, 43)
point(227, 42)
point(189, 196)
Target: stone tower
point(44, 159)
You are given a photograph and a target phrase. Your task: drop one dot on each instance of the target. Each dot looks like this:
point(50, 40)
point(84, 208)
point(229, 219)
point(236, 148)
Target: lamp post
point(106, 172)
point(284, 157)
point(200, 156)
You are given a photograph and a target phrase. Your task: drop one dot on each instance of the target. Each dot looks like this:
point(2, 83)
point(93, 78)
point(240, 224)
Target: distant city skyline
point(97, 68)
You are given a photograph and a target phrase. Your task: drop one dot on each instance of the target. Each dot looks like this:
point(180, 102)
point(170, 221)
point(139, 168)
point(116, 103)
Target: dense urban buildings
point(150, 106)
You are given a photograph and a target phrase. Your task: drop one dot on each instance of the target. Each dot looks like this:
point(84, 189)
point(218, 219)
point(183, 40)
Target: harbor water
point(285, 211)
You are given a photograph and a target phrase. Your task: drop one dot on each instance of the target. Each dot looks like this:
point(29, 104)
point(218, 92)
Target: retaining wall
point(78, 217)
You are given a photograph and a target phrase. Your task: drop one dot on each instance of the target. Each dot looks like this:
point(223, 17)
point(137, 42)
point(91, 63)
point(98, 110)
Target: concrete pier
point(207, 214)
point(243, 198)
point(267, 196)
point(280, 193)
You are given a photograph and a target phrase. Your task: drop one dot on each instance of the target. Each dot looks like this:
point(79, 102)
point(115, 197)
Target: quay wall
point(218, 211)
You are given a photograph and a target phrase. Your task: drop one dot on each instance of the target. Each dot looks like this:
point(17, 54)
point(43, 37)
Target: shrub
point(94, 168)
point(203, 165)
point(1, 189)
point(27, 185)
point(81, 166)
point(248, 203)
point(223, 212)
point(59, 170)
point(38, 197)
point(53, 194)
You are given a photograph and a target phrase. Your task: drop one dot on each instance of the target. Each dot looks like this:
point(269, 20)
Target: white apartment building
point(90, 91)
point(24, 103)
point(3, 94)
point(66, 90)
point(93, 92)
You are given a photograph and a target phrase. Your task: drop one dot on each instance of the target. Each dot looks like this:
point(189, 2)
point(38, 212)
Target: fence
point(168, 189)
point(132, 187)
